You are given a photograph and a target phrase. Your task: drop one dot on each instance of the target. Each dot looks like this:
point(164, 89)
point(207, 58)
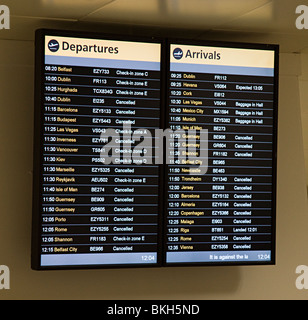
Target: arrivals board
point(88, 213)
point(226, 214)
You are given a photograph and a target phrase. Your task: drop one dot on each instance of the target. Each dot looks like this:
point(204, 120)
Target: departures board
point(150, 153)
point(89, 213)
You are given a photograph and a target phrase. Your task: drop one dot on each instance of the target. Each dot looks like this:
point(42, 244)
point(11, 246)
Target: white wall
point(263, 282)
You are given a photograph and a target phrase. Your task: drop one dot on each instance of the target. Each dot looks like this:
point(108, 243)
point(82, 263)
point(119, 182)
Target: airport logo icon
point(178, 53)
point(53, 45)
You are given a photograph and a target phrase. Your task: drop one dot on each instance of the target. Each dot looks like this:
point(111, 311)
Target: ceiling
point(269, 20)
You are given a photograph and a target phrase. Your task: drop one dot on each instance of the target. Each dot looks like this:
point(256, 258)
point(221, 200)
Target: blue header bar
point(102, 63)
point(234, 70)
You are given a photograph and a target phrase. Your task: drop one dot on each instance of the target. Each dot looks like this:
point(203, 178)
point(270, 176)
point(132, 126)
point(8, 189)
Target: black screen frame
point(165, 69)
point(38, 146)
point(235, 45)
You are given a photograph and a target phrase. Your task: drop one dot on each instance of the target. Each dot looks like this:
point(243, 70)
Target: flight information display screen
point(88, 213)
point(151, 153)
point(222, 106)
